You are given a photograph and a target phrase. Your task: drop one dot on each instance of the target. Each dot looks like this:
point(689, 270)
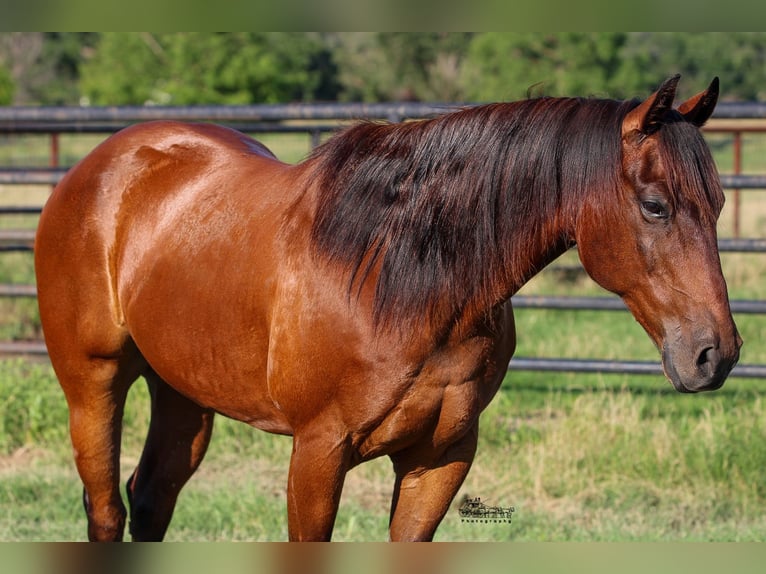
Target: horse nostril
point(708, 360)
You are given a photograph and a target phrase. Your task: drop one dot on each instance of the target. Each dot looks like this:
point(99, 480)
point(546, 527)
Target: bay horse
point(359, 300)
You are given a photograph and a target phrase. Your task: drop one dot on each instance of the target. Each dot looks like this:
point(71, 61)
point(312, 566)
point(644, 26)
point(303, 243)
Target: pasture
point(580, 457)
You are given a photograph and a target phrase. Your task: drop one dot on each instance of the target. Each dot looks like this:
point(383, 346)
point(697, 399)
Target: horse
point(359, 300)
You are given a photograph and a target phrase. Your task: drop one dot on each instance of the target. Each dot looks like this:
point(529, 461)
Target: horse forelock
point(441, 208)
point(691, 173)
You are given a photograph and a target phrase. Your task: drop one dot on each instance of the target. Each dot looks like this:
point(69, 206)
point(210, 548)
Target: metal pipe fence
point(316, 120)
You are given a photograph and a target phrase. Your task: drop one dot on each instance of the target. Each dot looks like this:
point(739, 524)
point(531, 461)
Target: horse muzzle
point(701, 366)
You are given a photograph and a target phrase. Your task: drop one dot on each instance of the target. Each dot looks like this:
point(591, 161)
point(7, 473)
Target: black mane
point(441, 206)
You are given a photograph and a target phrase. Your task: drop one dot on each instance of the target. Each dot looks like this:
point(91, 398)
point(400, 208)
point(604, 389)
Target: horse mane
point(438, 207)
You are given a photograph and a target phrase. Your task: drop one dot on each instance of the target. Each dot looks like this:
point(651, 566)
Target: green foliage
point(400, 66)
point(57, 70)
point(503, 66)
point(203, 68)
point(110, 68)
point(737, 58)
point(6, 86)
point(121, 71)
point(43, 67)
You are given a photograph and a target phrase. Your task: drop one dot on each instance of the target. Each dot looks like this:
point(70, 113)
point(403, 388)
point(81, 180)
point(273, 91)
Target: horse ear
point(648, 117)
point(699, 108)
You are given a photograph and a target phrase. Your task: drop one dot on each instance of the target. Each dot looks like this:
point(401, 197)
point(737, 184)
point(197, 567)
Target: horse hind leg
point(179, 434)
point(96, 389)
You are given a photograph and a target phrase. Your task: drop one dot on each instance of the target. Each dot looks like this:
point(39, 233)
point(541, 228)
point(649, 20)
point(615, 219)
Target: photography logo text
point(474, 510)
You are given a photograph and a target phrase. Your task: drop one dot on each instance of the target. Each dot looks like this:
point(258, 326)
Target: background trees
point(508, 66)
point(109, 68)
point(197, 67)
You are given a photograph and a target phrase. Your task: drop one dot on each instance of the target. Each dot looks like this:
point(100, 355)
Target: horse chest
point(441, 404)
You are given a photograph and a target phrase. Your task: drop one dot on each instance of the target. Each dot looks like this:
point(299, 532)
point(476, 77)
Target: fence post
point(54, 157)
point(737, 171)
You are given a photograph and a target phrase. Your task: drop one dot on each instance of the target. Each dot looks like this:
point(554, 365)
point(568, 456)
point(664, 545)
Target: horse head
point(654, 243)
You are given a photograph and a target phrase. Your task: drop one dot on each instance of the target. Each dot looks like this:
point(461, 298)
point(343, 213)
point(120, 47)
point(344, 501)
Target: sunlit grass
point(580, 457)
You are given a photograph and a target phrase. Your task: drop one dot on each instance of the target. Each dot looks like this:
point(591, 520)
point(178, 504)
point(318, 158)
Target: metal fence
point(315, 120)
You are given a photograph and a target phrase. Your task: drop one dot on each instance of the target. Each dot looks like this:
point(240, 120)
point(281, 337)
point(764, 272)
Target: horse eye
point(654, 209)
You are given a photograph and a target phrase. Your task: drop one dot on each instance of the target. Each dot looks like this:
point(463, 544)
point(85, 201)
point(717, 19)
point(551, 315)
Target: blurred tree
point(44, 67)
point(19, 51)
point(511, 65)
point(6, 86)
point(55, 77)
point(738, 58)
point(210, 68)
point(226, 68)
point(375, 66)
point(426, 64)
point(122, 69)
point(615, 64)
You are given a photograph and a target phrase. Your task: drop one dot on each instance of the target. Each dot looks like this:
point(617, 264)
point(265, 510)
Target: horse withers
point(359, 301)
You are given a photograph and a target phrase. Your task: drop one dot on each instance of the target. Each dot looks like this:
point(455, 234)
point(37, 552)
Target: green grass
point(19, 317)
point(580, 457)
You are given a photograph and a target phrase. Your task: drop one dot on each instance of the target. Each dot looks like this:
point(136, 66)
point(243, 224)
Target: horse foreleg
point(423, 492)
point(179, 434)
point(318, 467)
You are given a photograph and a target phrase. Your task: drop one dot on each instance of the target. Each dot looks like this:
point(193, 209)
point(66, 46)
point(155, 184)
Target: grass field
point(580, 457)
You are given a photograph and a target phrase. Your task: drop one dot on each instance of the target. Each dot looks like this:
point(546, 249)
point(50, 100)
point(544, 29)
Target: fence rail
point(25, 119)
point(315, 120)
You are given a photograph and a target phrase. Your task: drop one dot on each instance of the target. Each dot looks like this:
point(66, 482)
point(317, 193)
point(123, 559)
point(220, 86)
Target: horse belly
point(202, 322)
point(217, 361)
point(196, 301)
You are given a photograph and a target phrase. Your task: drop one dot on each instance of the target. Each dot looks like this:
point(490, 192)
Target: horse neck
point(532, 249)
point(525, 252)
point(572, 159)
point(452, 214)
